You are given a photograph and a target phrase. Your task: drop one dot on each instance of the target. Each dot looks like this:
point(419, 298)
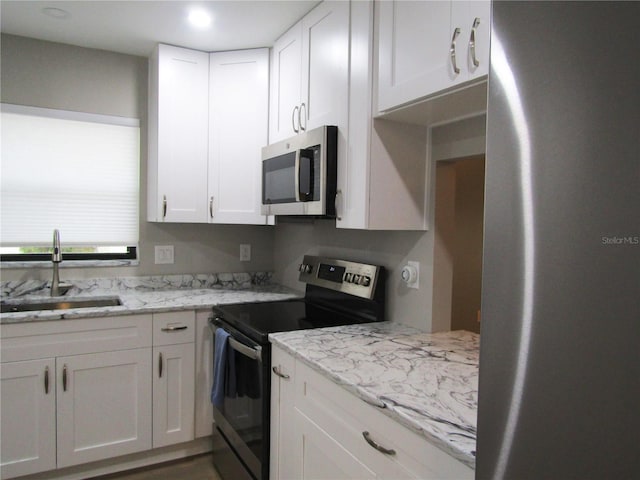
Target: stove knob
point(347, 277)
point(301, 267)
point(356, 279)
point(308, 268)
point(366, 281)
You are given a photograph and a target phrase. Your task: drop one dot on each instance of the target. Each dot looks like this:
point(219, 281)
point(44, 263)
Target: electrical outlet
point(411, 274)
point(164, 254)
point(245, 252)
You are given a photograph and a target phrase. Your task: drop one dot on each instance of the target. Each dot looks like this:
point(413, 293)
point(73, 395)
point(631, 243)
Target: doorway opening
point(459, 218)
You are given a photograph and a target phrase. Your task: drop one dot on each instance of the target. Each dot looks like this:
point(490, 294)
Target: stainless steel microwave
point(299, 174)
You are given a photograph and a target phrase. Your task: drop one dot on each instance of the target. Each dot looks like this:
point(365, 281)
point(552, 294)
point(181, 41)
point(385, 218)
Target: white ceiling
point(134, 26)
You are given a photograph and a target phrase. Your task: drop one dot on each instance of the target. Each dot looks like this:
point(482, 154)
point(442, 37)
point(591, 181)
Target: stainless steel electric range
point(338, 292)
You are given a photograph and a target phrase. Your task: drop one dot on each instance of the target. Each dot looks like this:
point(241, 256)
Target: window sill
point(72, 264)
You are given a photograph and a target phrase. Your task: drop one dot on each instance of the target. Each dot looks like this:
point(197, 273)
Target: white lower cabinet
point(28, 414)
point(326, 432)
point(173, 378)
point(282, 410)
point(78, 391)
point(104, 405)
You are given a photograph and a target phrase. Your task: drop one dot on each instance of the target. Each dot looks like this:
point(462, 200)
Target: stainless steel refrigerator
point(559, 389)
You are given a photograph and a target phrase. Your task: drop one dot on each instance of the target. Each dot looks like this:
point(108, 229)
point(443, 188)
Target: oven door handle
point(252, 353)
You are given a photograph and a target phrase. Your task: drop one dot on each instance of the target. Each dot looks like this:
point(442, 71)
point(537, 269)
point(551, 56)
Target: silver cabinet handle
point(472, 42)
point(280, 374)
point(46, 380)
point(64, 378)
point(174, 329)
point(211, 206)
point(160, 365)
point(335, 204)
point(452, 50)
point(303, 105)
point(293, 118)
point(386, 451)
point(164, 207)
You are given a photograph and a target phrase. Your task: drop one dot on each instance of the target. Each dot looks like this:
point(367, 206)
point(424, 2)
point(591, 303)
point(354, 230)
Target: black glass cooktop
point(258, 320)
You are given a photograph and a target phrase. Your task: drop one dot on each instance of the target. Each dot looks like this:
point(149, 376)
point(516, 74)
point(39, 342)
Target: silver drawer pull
point(173, 329)
point(386, 451)
point(279, 373)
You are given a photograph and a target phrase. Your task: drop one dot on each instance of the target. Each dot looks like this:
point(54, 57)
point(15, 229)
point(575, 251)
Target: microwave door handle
point(304, 175)
point(297, 175)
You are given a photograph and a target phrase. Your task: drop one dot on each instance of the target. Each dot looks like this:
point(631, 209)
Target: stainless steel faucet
point(56, 258)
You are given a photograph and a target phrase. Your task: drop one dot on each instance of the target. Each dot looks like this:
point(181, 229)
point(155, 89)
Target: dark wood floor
point(199, 467)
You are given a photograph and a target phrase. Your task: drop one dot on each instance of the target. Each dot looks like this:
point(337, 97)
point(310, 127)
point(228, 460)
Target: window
point(72, 171)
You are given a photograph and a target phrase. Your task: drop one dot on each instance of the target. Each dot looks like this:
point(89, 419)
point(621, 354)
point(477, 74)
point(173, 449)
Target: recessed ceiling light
point(199, 18)
point(56, 13)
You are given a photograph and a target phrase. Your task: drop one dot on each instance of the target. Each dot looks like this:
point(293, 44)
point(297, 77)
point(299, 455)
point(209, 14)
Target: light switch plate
point(164, 254)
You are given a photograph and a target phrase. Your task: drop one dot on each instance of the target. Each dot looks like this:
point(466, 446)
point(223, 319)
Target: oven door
point(240, 417)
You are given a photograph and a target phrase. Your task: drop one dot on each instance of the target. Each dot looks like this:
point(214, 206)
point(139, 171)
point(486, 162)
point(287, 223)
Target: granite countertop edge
point(149, 302)
point(372, 398)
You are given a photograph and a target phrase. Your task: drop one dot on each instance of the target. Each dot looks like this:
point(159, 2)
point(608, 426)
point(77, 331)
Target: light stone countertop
point(427, 382)
point(146, 294)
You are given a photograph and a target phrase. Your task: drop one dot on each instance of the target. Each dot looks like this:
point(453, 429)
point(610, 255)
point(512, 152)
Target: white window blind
point(72, 171)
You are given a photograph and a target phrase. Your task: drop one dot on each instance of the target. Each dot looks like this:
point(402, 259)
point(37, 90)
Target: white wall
point(53, 75)
point(389, 249)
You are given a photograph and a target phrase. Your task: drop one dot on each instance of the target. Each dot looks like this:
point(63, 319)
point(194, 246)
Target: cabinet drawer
point(345, 417)
point(174, 327)
point(31, 340)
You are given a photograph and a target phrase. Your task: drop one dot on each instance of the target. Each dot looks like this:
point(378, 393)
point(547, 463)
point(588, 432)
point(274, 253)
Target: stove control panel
point(354, 278)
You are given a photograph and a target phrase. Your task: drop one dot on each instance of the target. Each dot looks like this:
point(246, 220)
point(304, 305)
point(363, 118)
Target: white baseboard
point(126, 462)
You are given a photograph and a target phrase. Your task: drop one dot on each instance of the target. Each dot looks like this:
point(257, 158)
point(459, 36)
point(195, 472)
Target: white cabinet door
point(104, 405)
point(310, 74)
point(239, 118)
point(178, 135)
point(28, 418)
point(173, 394)
point(285, 94)
point(425, 47)
point(473, 18)
point(413, 50)
point(325, 66)
point(284, 462)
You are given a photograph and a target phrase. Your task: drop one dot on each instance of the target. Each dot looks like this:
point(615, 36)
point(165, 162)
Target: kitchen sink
point(30, 306)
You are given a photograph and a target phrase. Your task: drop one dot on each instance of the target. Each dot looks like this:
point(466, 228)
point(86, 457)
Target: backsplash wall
point(53, 75)
point(390, 249)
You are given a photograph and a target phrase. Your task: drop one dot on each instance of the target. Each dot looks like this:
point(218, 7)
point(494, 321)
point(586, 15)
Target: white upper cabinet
point(178, 135)
point(382, 181)
point(426, 47)
point(286, 68)
point(238, 106)
point(310, 74)
point(208, 121)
